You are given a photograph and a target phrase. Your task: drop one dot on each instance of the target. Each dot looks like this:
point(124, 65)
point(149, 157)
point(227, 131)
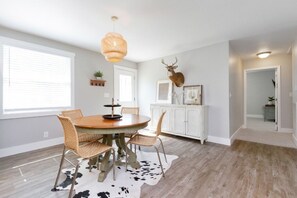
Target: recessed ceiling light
point(263, 54)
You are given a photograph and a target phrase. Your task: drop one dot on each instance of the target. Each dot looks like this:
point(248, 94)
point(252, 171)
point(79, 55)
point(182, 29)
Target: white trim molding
point(233, 137)
point(294, 139)
point(285, 130)
point(30, 147)
point(219, 140)
point(254, 116)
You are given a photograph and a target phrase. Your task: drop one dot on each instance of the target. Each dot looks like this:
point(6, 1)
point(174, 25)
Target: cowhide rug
point(127, 184)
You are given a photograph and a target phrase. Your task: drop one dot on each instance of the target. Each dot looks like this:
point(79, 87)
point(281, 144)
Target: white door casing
point(277, 95)
point(125, 86)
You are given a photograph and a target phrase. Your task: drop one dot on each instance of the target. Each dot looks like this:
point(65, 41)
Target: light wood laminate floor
point(245, 169)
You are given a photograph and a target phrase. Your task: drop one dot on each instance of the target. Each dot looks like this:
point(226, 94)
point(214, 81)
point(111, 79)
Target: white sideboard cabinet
point(182, 120)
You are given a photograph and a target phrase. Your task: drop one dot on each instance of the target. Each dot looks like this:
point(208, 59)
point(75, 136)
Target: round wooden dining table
point(113, 129)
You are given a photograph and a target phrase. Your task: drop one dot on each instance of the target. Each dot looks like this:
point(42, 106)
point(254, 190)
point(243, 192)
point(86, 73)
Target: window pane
point(125, 88)
point(35, 80)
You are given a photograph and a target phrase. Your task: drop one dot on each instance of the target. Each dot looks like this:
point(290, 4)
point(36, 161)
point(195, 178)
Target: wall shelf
point(97, 83)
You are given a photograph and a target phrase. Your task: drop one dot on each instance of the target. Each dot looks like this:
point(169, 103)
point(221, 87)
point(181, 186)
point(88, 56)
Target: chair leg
point(160, 161)
point(139, 148)
point(113, 164)
point(90, 166)
point(163, 149)
point(73, 180)
point(61, 164)
point(126, 155)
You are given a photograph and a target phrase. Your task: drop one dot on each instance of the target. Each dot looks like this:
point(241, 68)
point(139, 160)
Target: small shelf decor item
point(192, 95)
point(112, 116)
point(97, 83)
point(98, 75)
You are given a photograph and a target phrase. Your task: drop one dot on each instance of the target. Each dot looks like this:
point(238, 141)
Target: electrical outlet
point(45, 134)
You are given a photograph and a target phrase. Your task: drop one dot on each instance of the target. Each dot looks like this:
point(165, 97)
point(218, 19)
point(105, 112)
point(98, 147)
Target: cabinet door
point(155, 114)
point(178, 120)
point(194, 122)
point(166, 126)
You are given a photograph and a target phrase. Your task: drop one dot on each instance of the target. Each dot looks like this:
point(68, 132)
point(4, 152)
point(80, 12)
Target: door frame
point(278, 96)
point(115, 67)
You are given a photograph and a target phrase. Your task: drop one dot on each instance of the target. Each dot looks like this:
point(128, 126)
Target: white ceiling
point(155, 28)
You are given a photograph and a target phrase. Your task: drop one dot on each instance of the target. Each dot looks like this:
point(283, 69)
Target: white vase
point(99, 78)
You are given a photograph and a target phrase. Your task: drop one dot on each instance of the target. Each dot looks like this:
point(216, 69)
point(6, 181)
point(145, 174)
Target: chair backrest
point(159, 126)
point(130, 110)
point(72, 114)
point(70, 133)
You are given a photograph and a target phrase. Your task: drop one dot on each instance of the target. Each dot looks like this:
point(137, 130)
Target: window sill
point(30, 114)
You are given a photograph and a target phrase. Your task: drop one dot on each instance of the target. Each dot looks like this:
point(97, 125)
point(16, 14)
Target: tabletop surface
point(98, 122)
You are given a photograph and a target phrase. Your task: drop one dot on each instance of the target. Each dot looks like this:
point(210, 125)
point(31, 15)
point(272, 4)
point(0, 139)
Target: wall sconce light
point(263, 54)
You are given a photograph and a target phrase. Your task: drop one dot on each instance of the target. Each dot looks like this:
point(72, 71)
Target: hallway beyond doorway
point(259, 124)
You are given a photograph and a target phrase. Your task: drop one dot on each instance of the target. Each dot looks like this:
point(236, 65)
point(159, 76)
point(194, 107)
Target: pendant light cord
point(114, 19)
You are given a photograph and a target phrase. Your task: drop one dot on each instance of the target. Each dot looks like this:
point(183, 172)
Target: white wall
point(285, 62)
point(207, 66)
point(236, 91)
point(259, 88)
point(15, 132)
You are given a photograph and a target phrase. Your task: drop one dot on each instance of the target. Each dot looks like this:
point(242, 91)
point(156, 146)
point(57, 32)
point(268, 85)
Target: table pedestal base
point(120, 142)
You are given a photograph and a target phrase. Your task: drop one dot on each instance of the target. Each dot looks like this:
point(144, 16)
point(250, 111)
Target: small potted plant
point(98, 75)
point(271, 100)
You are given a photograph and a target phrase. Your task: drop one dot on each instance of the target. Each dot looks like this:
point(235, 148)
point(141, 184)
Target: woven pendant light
point(113, 46)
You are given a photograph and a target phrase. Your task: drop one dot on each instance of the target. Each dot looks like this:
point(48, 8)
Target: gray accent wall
point(285, 63)
point(236, 91)
point(89, 99)
point(259, 88)
point(207, 66)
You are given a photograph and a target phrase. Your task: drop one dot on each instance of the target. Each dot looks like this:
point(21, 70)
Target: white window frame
point(39, 48)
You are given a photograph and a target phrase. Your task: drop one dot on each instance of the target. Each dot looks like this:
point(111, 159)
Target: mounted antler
point(172, 65)
point(177, 78)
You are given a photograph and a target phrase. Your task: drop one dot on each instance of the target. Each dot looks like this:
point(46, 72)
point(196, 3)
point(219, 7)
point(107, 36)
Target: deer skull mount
point(176, 77)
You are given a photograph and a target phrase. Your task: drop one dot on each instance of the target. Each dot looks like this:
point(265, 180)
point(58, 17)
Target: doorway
point(125, 86)
point(262, 98)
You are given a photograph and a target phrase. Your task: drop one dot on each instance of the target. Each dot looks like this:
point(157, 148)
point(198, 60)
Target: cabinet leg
point(202, 141)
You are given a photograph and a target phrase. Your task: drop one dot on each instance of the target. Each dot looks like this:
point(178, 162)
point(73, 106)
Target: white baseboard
point(219, 140)
point(285, 130)
point(232, 138)
point(30, 147)
point(294, 139)
point(254, 116)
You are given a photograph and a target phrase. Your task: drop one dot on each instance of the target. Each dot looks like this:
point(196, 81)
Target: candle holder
point(112, 116)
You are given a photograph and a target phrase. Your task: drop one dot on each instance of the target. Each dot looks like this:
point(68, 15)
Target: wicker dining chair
point(86, 151)
point(82, 137)
point(149, 141)
point(130, 110)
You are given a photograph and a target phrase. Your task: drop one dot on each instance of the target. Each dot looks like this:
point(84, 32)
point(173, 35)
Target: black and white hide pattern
point(127, 184)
